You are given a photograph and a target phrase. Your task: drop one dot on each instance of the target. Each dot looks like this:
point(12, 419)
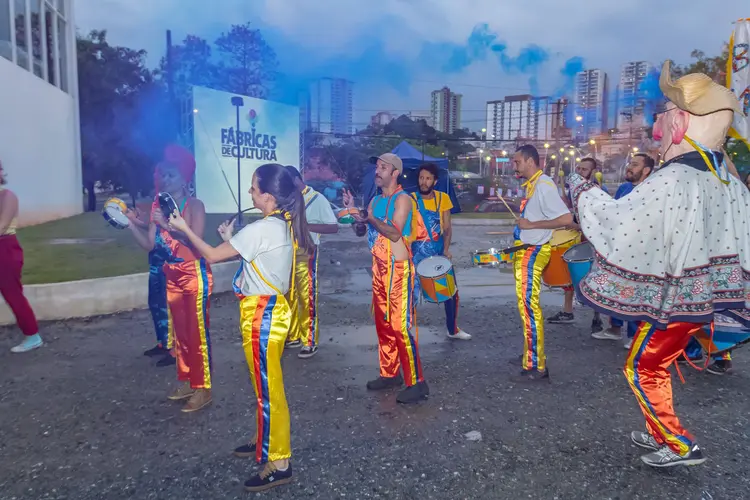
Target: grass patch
point(45, 262)
point(483, 215)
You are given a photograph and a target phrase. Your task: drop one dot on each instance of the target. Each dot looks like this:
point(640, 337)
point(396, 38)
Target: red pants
point(189, 287)
point(393, 307)
point(11, 264)
point(647, 372)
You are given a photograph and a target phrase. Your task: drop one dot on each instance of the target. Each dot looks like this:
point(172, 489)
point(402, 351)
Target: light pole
point(237, 102)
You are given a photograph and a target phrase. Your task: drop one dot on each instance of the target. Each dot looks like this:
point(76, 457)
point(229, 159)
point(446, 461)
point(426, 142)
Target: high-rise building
point(631, 103)
point(591, 107)
point(326, 106)
point(519, 117)
point(446, 110)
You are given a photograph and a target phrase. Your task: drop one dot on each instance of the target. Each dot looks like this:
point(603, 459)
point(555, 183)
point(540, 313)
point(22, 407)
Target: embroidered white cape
point(677, 248)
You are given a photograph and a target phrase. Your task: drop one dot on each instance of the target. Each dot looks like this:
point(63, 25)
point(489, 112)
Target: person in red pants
point(11, 264)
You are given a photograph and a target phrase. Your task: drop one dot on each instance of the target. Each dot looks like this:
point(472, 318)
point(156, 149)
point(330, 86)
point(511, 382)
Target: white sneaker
point(28, 344)
point(629, 344)
point(460, 335)
point(606, 335)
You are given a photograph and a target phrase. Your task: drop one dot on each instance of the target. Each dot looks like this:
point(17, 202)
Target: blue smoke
point(652, 95)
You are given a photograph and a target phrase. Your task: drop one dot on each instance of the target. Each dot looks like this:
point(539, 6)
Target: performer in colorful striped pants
point(320, 220)
point(672, 254)
point(389, 220)
point(542, 211)
point(268, 249)
point(189, 286)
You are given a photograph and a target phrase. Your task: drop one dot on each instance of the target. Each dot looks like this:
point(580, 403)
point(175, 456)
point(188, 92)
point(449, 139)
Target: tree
point(113, 82)
point(715, 67)
point(240, 61)
point(248, 64)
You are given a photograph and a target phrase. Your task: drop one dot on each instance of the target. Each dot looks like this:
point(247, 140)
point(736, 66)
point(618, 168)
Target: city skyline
point(397, 69)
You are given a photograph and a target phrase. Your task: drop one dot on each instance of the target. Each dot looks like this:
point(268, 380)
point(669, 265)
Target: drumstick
point(506, 206)
point(499, 232)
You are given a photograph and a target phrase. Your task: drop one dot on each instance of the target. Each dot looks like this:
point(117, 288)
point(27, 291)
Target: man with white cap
point(389, 234)
point(672, 253)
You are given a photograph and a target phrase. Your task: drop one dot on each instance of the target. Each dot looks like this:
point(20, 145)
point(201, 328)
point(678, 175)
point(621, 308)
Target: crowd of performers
point(672, 248)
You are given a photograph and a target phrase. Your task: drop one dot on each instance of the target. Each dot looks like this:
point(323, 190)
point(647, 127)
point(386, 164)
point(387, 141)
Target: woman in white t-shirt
point(268, 249)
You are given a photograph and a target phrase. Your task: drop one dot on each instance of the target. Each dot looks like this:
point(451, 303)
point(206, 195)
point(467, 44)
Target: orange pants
point(393, 307)
point(647, 372)
point(189, 287)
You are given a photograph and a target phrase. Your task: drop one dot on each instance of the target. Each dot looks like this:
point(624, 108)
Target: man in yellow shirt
point(435, 210)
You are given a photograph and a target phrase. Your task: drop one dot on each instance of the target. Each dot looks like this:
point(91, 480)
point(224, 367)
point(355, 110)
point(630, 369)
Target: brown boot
point(183, 392)
point(200, 398)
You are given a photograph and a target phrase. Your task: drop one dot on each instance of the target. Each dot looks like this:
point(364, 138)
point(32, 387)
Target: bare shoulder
point(8, 197)
point(195, 205)
point(404, 202)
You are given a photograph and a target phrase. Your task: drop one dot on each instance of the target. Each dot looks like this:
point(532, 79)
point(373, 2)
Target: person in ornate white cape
point(672, 253)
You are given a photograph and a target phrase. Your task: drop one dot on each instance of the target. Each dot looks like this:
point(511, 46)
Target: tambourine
point(114, 213)
point(167, 204)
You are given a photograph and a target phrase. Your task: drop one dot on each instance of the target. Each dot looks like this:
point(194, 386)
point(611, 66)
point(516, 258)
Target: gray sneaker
point(665, 457)
point(644, 440)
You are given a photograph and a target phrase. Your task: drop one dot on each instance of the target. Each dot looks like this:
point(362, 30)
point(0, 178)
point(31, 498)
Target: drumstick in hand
point(506, 206)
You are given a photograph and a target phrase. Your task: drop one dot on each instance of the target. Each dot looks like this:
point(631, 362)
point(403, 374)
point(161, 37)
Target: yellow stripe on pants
point(528, 265)
point(264, 321)
point(304, 300)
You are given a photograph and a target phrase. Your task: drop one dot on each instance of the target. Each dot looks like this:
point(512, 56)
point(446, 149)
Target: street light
point(546, 146)
point(562, 150)
point(635, 150)
point(566, 158)
point(484, 130)
point(592, 142)
point(578, 159)
point(504, 153)
point(579, 118)
point(554, 157)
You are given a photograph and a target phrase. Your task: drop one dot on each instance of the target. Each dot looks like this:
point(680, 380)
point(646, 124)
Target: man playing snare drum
point(542, 211)
point(435, 209)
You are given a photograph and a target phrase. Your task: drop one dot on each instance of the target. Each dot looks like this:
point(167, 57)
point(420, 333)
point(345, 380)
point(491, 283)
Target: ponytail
point(277, 181)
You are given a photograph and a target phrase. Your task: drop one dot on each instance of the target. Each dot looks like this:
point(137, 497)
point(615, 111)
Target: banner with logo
point(738, 77)
point(268, 132)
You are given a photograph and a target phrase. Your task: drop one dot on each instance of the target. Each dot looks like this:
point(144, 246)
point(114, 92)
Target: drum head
point(433, 267)
point(167, 204)
point(562, 236)
point(114, 213)
point(582, 252)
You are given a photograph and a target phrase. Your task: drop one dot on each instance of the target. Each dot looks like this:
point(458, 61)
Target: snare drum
point(556, 273)
point(437, 279)
point(579, 259)
point(114, 213)
point(728, 335)
point(491, 257)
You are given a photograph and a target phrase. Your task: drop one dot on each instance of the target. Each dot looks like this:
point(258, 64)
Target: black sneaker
point(532, 376)
point(381, 383)
point(414, 394)
point(561, 318)
point(245, 451)
point(665, 457)
point(167, 360)
point(700, 359)
point(307, 352)
point(156, 351)
point(293, 344)
point(268, 478)
point(720, 367)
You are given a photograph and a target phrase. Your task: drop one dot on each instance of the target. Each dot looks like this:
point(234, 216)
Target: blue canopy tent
point(412, 158)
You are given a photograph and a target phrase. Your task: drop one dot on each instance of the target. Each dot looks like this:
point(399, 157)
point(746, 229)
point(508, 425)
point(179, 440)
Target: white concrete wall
point(81, 299)
point(39, 145)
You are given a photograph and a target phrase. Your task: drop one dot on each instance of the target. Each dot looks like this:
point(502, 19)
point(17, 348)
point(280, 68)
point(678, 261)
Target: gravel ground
point(86, 417)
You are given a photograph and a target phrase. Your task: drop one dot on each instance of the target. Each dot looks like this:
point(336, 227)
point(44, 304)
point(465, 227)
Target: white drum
point(114, 213)
point(437, 279)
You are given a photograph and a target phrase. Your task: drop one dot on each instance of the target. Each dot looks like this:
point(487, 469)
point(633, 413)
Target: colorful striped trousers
point(647, 371)
point(189, 287)
point(304, 301)
point(265, 321)
point(393, 308)
point(528, 265)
